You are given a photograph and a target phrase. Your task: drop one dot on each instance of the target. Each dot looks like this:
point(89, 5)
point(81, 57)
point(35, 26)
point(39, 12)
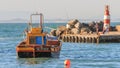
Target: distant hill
point(20, 20)
point(16, 20)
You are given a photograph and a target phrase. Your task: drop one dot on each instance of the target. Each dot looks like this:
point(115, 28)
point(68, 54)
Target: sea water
point(82, 55)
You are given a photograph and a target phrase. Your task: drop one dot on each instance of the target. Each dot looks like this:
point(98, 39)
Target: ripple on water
point(82, 55)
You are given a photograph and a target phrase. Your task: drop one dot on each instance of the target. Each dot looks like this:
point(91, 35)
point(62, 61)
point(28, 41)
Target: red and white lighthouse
point(106, 19)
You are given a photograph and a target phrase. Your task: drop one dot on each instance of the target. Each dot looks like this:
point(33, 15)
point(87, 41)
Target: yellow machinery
point(37, 43)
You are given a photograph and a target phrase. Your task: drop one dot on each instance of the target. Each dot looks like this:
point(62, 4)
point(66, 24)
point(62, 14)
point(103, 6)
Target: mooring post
point(63, 38)
point(97, 40)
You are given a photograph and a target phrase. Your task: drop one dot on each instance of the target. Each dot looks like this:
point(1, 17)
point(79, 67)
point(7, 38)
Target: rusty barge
point(38, 43)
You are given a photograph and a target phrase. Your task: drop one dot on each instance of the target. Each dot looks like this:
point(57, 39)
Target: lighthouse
point(106, 26)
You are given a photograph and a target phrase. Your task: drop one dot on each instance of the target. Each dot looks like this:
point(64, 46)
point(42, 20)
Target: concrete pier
point(92, 38)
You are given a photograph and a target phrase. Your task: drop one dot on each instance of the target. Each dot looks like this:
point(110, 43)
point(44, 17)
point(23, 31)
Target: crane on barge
point(37, 43)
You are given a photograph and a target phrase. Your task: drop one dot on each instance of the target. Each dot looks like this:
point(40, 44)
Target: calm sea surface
point(82, 55)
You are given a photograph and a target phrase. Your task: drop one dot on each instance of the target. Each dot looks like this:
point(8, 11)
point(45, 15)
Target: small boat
point(38, 43)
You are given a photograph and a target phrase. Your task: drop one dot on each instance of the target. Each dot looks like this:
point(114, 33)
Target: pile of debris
point(76, 27)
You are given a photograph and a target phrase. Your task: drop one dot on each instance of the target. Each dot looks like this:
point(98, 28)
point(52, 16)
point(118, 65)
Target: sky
point(59, 9)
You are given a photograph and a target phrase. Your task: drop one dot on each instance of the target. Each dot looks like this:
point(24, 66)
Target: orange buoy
point(67, 63)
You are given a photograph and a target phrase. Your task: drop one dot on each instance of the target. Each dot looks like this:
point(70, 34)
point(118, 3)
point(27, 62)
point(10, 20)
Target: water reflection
point(32, 61)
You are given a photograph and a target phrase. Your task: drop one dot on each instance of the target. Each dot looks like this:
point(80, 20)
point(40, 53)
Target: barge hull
point(38, 54)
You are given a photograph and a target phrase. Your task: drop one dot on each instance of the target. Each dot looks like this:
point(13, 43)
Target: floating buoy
point(67, 63)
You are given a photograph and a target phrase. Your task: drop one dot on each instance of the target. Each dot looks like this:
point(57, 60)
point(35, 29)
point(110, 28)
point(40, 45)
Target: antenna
point(67, 15)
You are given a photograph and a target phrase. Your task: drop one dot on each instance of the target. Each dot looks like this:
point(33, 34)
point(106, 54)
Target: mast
point(41, 20)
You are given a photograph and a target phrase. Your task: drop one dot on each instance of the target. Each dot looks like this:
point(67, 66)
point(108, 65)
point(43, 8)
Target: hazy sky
point(54, 9)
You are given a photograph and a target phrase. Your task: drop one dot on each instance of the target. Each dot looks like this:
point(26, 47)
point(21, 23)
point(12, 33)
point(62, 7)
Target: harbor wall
point(91, 38)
